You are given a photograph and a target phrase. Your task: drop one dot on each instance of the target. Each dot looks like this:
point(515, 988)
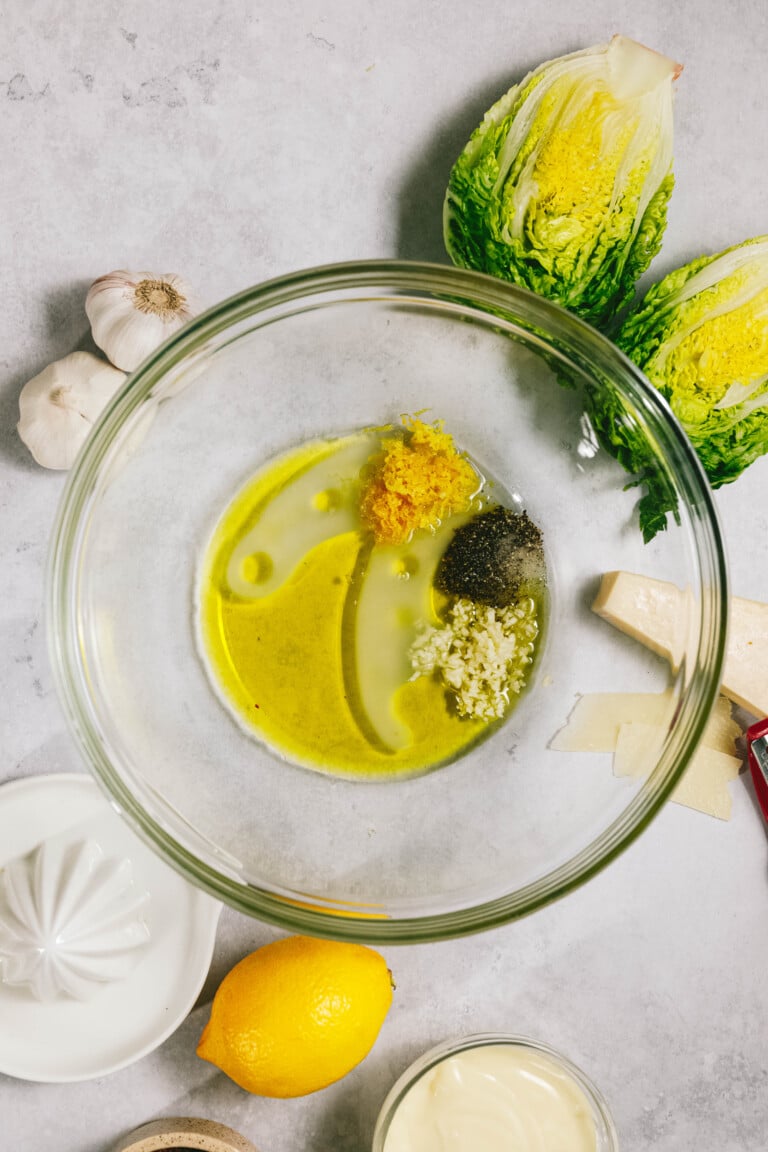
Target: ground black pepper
point(491, 558)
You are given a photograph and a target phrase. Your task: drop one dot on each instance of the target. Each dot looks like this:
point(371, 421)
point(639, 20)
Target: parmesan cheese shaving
point(594, 723)
point(632, 725)
point(704, 786)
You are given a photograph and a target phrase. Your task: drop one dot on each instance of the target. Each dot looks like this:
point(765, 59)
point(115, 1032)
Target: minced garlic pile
point(416, 481)
point(481, 652)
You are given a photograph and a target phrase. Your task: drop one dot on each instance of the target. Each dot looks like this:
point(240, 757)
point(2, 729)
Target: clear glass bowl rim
point(447, 1048)
point(587, 349)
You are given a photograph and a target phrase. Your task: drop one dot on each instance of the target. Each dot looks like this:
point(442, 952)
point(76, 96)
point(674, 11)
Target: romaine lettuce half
point(563, 188)
point(701, 337)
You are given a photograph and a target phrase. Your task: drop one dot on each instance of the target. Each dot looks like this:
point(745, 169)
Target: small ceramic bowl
point(606, 1138)
point(103, 949)
point(184, 1134)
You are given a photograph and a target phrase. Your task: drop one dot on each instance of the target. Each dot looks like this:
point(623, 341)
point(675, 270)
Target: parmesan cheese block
point(745, 678)
point(658, 614)
point(705, 783)
point(654, 612)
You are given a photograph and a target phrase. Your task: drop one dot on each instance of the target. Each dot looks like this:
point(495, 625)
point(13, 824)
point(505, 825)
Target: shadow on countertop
point(420, 223)
point(354, 1102)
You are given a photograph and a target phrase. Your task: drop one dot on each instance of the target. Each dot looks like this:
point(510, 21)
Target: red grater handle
point(759, 776)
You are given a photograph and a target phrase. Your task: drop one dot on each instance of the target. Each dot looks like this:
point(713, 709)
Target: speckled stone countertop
point(232, 141)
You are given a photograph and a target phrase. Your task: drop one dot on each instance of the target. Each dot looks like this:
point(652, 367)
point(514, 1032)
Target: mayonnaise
point(498, 1098)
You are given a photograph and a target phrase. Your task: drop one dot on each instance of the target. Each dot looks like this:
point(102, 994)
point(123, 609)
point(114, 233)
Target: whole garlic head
point(132, 313)
point(59, 406)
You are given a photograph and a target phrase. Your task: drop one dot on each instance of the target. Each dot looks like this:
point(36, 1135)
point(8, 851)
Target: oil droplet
point(405, 567)
point(256, 568)
point(328, 500)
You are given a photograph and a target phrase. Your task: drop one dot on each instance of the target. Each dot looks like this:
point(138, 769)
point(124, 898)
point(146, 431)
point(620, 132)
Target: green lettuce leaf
point(622, 437)
point(701, 337)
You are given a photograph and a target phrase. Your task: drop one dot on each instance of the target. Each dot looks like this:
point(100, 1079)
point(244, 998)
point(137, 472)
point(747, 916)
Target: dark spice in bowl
point(494, 556)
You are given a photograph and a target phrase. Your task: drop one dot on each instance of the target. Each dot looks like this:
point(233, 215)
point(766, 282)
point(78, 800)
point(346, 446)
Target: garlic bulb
point(131, 313)
point(58, 408)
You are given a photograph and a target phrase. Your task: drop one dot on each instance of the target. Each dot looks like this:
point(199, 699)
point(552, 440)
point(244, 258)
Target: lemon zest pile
point(416, 481)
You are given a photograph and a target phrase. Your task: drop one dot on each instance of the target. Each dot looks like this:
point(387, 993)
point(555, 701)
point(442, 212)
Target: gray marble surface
point(232, 141)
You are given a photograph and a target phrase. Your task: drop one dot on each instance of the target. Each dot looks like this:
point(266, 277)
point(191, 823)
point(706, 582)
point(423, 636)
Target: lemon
point(296, 1015)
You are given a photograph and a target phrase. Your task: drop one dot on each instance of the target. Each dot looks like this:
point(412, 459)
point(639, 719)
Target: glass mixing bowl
point(506, 827)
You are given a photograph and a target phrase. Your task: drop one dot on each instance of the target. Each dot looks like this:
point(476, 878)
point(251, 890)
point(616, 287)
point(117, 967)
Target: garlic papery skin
point(132, 313)
point(58, 408)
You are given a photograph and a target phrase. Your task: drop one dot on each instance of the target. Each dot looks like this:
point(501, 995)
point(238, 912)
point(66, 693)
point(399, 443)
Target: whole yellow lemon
point(296, 1015)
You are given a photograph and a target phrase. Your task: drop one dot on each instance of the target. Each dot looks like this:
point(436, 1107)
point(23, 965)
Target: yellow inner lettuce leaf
point(577, 164)
point(732, 347)
point(585, 169)
point(722, 339)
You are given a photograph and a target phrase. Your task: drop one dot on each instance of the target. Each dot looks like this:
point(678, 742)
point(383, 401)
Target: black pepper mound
point(492, 557)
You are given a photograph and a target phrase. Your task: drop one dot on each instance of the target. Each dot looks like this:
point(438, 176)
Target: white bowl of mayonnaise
point(494, 1092)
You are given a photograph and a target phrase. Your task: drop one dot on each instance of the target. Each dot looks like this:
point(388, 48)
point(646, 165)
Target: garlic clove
point(59, 406)
point(132, 337)
point(132, 313)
